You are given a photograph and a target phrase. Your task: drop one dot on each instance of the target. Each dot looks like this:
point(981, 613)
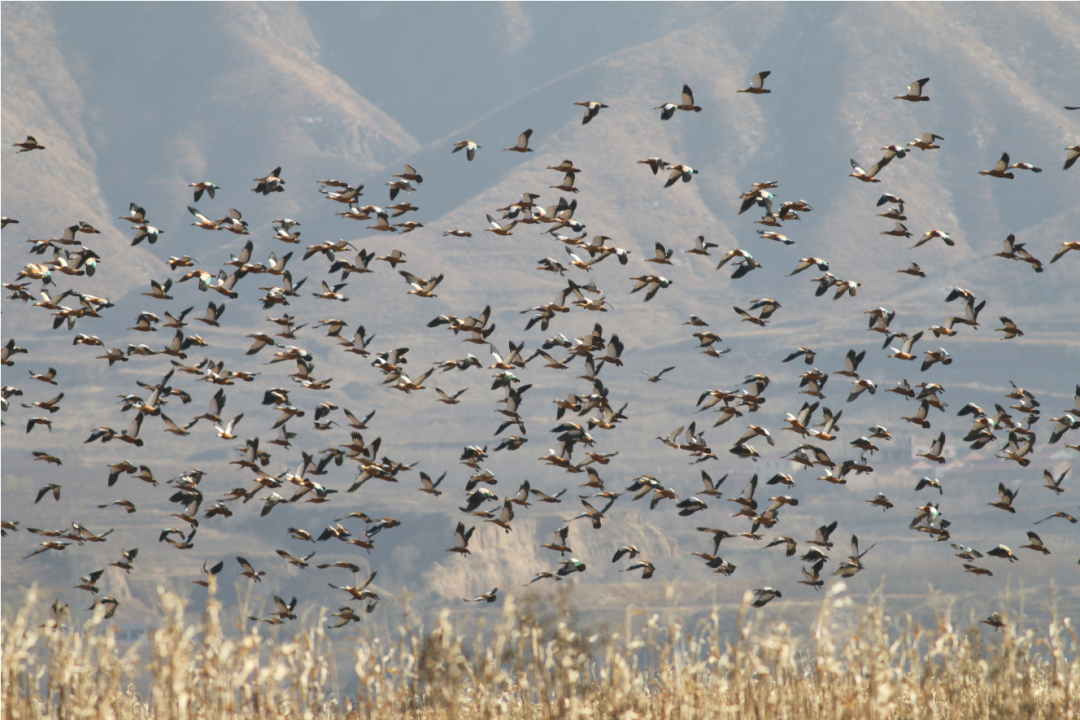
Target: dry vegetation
point(532, 665)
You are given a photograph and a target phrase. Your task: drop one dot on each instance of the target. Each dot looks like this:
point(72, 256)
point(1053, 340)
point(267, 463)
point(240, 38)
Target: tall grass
point(533, 664)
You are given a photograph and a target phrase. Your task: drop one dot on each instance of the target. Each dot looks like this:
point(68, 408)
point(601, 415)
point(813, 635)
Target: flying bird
point(914, 92)
point(686, 103)
point(757, 84)
point(30, 143)
point(468, 146)
point(592, 109)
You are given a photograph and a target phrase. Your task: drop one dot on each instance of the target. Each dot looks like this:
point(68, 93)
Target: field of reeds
point(526, 664)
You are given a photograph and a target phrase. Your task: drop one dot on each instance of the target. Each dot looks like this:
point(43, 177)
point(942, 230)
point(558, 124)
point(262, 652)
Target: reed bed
point(534, 663)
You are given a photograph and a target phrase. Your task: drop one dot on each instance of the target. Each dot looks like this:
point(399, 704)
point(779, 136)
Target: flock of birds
point(577, 417)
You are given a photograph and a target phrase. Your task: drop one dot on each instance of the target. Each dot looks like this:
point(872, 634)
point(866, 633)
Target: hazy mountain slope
point(259, 97)
point(624, 201)
point(51, 189)
point(439, 69)
point(142, 128)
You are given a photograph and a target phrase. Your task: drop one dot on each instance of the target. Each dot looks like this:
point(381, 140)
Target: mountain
point(135, 102)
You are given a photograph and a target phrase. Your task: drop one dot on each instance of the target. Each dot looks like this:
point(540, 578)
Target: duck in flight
point(687, 104)
point(757, 84)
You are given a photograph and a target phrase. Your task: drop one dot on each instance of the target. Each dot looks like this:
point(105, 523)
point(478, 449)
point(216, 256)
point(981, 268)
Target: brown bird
point(790, 544)
point(292, 560)
point(757, 84)
point(9, 350)
point(468, 146)
point(46, 546)
point(914, 92)
point(498, 229)
point(1010, 329)
point(560, 545)
point(680, 172)
point(700, 247)
point(1006, 497)
point(913, 269)
point(45, 377)
point(461, 539)
point(40, 421)
point(126, 504)
point(136, 214)
point(899, 230)
point(50, 459)
point(410, 174)
point(687, 103)
point(89, 582)
point(806, 353)
point(1025, 166)
point(865, 175)
point(108, 603)
point(506, 515)
point(30, 143)
point(1000, 170)
point(775, 236)
point(486, 597)
point(567, 185)
point(203, 187)
point(50, 488)
point(1003, 551)
point(894, 213)
point(396, 186)
point(126, 563)
point(592, 109)
point(1035, 544)
point(763, 595)
point(977, 570)
point(881, 501)
point(1051, 483)
point(645, 566)
point(225, 431)
point(249, 571)
point(564, 167)
point(1057, 514)
point(522, 145)
point(936, 450)
point(272, 182)
point(909, 343)
point(210, 574)
point(1065, 247)
point(926, 142)
point(402, 208)
point(347, 615)
point(655, 163)
point(656, 378)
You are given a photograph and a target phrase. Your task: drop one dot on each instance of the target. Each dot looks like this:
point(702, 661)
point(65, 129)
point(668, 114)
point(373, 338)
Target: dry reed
point(536, 665)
